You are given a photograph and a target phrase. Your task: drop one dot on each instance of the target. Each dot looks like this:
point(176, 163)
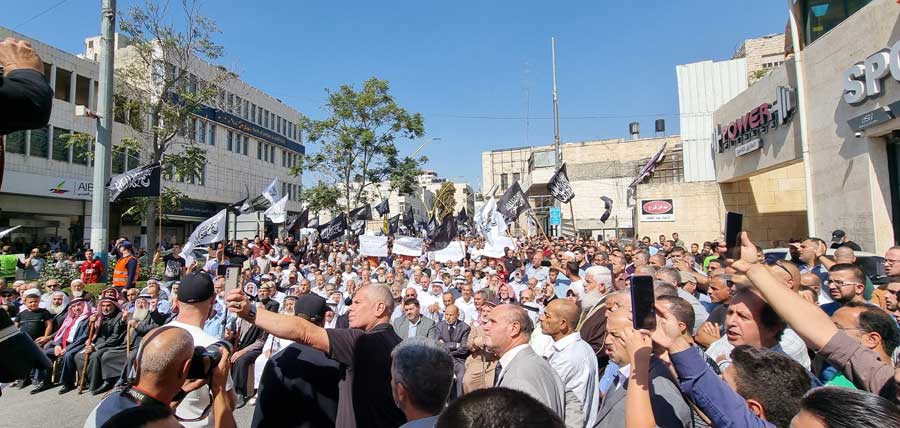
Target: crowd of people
point(317, 334)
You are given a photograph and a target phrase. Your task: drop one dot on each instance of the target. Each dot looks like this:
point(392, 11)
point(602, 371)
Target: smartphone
point(733, 225)
point(643, 313)
point(232, 277)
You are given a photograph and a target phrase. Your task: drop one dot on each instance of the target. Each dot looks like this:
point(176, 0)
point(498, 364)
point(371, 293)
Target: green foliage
point(321, 197)
point(157, 82)
point(758, 74)
point(63, 275)
point(357, 141)
point(444, 202)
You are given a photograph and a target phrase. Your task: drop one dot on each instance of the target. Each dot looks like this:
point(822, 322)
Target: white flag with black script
point(211, 230)
point(278, 211)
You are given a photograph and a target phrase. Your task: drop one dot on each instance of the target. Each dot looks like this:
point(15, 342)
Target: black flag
point(409, 219)
point(142, 181)
point(242, 206)
point(443, 234)
point(334, 229)
point(313, 224)
point(513, 203)
point(362, 213)
point(357, 227)
point(393, 225)
point(291, 222)
point(383, 208)
point(431, 227)
point(463, 216)
point(607, 206)
point(302, 219)
point(560, 187)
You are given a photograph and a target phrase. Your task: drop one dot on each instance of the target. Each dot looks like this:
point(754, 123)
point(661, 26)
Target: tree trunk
point(151, 220)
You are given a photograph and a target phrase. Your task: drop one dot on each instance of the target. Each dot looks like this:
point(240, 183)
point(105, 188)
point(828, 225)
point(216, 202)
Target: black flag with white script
point(334, 229)
point(362, 213)
point(513, 203)
point(444, 234)
point(383, 208)
point(393, 225)
point(409, 219)
point(142, 181)
point(560, 187)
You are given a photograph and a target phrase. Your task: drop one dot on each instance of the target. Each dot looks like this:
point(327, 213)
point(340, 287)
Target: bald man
point(507, 330)
point(454, 335)
point(573, 360)
point(165, 360)
point(363, 349)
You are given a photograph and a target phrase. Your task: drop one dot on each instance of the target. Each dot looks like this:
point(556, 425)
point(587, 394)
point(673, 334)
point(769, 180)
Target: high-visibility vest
point(120, 274)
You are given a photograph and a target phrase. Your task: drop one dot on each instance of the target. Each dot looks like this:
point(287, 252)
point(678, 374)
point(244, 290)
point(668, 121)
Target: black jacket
point(25, 101)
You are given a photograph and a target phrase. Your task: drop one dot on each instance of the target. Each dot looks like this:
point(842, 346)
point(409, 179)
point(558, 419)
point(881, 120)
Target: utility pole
point(556, 150)
point(103, 146)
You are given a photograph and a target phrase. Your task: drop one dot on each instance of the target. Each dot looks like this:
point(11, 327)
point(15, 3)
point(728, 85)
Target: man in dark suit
point(507, 331)
point(454, 334)
point(413, 324)
point(669, 407)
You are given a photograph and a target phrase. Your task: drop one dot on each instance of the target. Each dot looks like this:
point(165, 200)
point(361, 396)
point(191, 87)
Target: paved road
point(51, 410)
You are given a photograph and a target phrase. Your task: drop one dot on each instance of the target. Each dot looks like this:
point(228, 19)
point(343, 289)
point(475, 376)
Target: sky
point(479, 71)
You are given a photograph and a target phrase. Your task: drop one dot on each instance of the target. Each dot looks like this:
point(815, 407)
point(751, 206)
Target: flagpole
point(556, 149)
point(159, 231)
point(574, 223)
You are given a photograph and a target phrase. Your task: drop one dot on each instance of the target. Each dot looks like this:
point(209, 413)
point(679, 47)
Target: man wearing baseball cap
point(196, 295)
point(125, 273)
point(299, 385)
point(839, 239)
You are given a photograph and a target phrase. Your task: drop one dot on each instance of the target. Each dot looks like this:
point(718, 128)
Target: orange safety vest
point(120, 274)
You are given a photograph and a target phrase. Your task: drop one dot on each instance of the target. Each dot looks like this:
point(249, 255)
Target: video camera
point(204, 359)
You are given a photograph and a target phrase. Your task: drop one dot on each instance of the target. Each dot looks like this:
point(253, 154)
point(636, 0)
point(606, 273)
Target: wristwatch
point(252, 315)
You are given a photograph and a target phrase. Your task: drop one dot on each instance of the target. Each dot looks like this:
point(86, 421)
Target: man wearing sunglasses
point(846, 283)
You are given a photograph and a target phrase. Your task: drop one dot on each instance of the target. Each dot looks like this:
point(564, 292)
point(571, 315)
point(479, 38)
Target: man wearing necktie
point(454, 334)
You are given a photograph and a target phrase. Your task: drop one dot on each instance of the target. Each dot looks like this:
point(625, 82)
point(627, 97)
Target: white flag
point(278, 211)
point(374, 246)
point(497, 248)
point(407, 246)
point(211, 230)
point(271, 192)
point(453, 252)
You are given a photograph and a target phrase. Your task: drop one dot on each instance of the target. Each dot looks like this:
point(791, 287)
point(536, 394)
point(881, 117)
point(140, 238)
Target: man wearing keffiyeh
point(68, 341)
point(109, 332)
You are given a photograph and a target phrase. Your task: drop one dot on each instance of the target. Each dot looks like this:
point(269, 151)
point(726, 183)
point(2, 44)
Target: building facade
point(249, 137)
point(762, 55)
point(850, 60)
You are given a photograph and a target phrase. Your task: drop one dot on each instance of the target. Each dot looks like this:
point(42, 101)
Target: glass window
point(230, 144)
point(253, 113)
point(259, 149)
point(40, 142)
point(821, 16)
point(80, 152)
point(265, 118)
point(192, 133)
point(15, 142)
point(118, 160)
point(504, 181)
point(60, 150)
point(63, 89)
point(134, 159)
point(515, 177)
point(230, 103)
point(237, 105)
point(212, 134)
point(201, 132)
point(201, 179)
point(245, 110)
point(246, 143)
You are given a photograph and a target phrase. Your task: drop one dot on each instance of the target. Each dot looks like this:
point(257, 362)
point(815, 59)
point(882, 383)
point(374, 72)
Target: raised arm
point(284, 326)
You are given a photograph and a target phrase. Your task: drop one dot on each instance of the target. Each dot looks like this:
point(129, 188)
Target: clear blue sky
point(454, 61)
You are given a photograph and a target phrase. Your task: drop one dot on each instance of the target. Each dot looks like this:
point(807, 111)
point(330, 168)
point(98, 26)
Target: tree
point(357, 142)
point(445, 200)
point(321, 197)
point(158, 94)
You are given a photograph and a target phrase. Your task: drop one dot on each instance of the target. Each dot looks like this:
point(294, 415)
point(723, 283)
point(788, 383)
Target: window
point(259, 149)
point(40, 142)
point(60, 150)
point(237, 105)
point(265, 119)
point(192, 134)
point(63, 87)
point(201, 179)
point(118, 160)
point(272, 160)
point(823, 15)
point(80, 152)
point(229, 105)
point(201, 132)
point(253, 113)
point(230, 144)
point(82, 91)
point(515, 177)
point(15, 142)
point(246, 143)
point(266, 152)
point(245, 110)
point(133, 159)
point(278, 124)
point(212, 134)
point(221, 103)
point(283, 159)
point(504, 182)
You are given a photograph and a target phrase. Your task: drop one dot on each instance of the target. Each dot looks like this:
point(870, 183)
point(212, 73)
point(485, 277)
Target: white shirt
point(196, 401)
point(575, 363)
point(790, 344)
point(426, 300)
point(508, 357)
point(470, 313)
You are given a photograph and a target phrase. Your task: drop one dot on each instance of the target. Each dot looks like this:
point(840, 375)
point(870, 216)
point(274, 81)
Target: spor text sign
point(657, 210)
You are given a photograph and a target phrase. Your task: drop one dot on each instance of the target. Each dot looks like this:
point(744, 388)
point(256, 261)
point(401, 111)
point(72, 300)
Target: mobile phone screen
point(643, 312)
point(733, 225)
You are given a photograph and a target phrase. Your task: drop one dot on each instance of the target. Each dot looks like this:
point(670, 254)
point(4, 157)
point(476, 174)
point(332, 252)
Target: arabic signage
point(653, 210)
point(250, 128)
point(45, 186)
point(747, 130)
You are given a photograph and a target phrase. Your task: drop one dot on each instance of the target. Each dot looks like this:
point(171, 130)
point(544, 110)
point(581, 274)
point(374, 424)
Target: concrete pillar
point(92, 105)
point(73, 81)
point(53, 76)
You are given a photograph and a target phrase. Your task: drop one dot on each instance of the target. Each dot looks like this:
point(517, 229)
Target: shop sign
point(46, 186)
point(863, 80)
point(752, 125)
point(657, 210)
point(748, 147)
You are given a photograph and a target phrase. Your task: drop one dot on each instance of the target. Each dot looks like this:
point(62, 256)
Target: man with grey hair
point(421, 376)
point(507, 331)
point(592, 322)
point(673, 277)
